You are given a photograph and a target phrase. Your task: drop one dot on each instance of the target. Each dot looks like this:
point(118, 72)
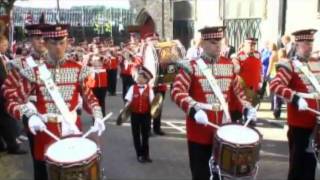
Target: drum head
point(238, 134)
point(71, 150)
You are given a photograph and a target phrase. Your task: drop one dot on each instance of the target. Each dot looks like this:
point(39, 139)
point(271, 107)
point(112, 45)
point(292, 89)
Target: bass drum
point(161, 58)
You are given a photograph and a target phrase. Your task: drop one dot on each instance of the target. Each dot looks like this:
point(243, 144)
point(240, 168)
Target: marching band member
point(100, 85)
point(8, 127)
point(45, 79)
point(192, 93)
point(127, 66)
point(289, 82)
point(140, 96)
point(112, 64)
point(250, 71)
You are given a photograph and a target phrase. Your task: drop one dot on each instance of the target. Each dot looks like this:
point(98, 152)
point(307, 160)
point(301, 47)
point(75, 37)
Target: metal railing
point(238, 29)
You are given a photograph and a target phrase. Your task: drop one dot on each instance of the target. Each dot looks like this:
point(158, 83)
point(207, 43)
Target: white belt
point(52, 117)
point(55, 118)
point(32, 98)
point(99, 70)
point(210, 107)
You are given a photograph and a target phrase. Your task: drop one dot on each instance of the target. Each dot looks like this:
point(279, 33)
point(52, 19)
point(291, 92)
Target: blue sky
point(69, 3)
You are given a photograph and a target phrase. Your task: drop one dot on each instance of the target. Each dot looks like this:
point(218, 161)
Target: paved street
point(169, 153)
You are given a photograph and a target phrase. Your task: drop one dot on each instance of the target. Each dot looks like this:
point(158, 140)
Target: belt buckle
point(216, 107)
point(52, 119)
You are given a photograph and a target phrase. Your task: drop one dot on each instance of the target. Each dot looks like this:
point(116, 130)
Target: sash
point(30, 61)
point(215, 87)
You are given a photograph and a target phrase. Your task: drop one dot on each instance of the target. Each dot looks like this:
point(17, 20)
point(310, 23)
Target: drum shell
point(236, 160)
point(86, 170)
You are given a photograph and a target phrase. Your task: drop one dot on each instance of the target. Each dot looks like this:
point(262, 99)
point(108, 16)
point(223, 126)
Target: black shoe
point(147, 159)
point(277, 113)
point(17, 151)
point(141, 159)
point(161, 133)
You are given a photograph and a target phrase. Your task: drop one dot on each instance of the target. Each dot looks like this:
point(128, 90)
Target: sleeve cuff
point(28, 110)
point(97, 112)
point(192, 112)
point(295, 100)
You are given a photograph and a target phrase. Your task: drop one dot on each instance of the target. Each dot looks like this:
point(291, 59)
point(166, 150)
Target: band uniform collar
point(208, 58)
point(53, 62)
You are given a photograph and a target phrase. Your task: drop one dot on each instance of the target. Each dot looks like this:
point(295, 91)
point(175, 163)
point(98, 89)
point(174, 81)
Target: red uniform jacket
point(250, 69)
point(289, 80)
point(112, 63)
point(101, 77)
point(140, 102)
point(126, 68)
point(190, 87)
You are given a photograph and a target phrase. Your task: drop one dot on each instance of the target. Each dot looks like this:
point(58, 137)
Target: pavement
point(169, 152)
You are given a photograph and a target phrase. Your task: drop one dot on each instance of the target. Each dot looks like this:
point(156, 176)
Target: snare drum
point(236, 150)
point(73, 158)
point(161, 58)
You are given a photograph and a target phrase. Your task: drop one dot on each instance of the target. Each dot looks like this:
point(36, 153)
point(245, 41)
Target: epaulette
point(284, 63)
point(85, 72)
point(185, 65)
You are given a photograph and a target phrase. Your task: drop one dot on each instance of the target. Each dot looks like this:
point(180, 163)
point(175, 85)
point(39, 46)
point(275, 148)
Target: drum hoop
point(73, 164)
point(223, 141)
point(254, 129)
point(96, 155)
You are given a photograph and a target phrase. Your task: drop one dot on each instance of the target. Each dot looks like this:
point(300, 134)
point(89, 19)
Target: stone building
point(264, 19)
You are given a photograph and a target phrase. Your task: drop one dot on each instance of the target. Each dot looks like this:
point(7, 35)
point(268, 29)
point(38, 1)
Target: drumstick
point(51, 134)
point(314, 111)
point(213, 125)
point(248, 121)
point(92, 129)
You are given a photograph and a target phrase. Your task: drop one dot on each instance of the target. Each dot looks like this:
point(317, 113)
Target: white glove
point(201, 117)
point(302, 104)
point(99, 126)
point(252, 114)
point(35, 123)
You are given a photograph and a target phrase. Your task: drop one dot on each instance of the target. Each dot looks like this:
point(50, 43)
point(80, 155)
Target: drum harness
point(313, 80)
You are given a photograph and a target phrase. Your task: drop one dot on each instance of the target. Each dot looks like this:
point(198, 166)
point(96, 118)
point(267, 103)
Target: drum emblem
point(171, 69)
